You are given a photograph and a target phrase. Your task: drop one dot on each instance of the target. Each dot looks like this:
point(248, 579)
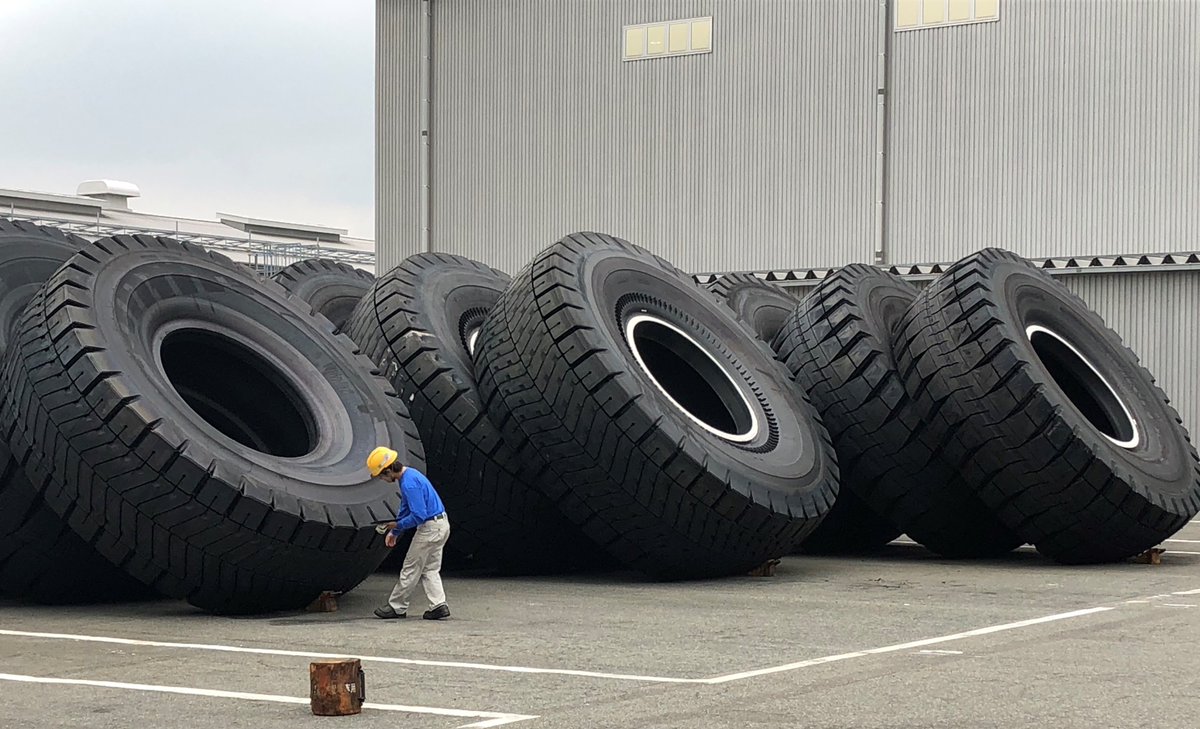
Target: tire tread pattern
point(500, 518)
point(835, 349)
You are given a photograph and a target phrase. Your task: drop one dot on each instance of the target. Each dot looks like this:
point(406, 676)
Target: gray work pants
point(423, 564)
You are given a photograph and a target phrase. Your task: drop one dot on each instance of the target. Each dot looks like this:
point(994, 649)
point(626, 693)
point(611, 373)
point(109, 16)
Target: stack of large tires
point(172, 424)
point(598, 408)
point(991, 409)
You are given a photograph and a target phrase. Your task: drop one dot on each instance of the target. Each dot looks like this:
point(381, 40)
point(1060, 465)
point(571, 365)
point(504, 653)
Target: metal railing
point(266, 255)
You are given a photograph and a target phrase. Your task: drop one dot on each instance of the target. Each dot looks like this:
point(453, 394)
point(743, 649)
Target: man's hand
point(390, 540)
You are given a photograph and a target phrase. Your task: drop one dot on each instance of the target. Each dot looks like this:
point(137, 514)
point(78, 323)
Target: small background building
point(101, 208)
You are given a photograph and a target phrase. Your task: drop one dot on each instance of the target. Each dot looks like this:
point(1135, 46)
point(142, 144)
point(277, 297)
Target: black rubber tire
point(416, 324)
point(641, 478)
point(119, 453)
point(838, 345)
point(331, 288)
point(40, 558)
point(762, 305)
point(29, 255)
point(967, 355)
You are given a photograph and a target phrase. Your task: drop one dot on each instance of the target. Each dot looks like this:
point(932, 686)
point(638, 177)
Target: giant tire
point(1052, 420)
point(662, 493)
point(418, 323)
point(41, 559)
point(128, 354)
point(838, 345)
point(764, 306)
point(330, 287)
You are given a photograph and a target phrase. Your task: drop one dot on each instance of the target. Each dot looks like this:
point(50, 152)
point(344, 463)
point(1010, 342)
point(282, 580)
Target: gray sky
point(251, 107)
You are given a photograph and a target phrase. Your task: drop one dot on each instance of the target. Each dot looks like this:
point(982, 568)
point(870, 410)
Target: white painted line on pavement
point(375, 659)
point(1183, 541)
point(935, 652)
point(595, 674)
point(490, 718)
point(1178, 604)
point(907, 646)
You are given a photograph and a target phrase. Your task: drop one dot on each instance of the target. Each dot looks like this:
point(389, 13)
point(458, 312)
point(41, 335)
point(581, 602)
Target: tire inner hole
point(691, 378)
point(238, 392)
point(1084, 387)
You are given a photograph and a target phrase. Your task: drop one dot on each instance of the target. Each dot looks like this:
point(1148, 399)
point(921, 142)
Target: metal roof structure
point(265, 244)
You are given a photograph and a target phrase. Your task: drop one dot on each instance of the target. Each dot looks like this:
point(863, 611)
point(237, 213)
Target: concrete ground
point(900, 639)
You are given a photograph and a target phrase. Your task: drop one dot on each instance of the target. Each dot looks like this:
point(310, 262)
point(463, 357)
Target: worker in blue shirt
point(420, 508)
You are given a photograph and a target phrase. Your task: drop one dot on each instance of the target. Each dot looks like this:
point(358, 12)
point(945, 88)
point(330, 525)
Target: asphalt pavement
point(898, 639)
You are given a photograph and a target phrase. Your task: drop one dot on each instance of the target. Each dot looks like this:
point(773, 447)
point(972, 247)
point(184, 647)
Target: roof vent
point(114, 193)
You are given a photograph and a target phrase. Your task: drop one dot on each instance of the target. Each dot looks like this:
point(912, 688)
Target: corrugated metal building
point(775, 135)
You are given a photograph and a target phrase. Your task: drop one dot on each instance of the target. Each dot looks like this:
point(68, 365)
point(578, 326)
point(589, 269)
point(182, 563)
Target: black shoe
point(438, 613)
point(387, 612)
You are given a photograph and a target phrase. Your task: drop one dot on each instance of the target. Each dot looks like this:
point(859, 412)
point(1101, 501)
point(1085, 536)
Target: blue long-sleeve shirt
point(419, 502)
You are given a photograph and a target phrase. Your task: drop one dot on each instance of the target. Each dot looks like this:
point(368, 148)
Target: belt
point(439, 516)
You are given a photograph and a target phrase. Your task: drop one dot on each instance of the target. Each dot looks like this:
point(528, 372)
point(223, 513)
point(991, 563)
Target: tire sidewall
point(788, 457)
point(353, 411)
point(1031, 298)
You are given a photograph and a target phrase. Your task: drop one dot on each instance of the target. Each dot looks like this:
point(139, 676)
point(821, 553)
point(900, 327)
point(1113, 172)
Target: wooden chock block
point(766, 569)
point(326, 602)
point(1150, 556)
point(337, 687)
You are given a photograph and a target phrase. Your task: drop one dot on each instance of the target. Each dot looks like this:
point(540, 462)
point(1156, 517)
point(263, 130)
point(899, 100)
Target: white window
point(668, 38)
point(923, 14)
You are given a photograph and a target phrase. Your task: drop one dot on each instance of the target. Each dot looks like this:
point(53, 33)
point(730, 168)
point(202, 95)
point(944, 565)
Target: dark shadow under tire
point(1051, 419)
point(201, 428)
point(838, 345)
point(330, 287)
point(762, 305)
point(418, 324)
point(41, 559)
point(674, 438)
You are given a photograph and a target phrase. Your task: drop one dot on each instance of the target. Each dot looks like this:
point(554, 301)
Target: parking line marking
point(374, 659)
point(489, 718)
point(590, 674)
point(1178, 604)
point(1184, 541)
point(935, 652)
point(906, 646)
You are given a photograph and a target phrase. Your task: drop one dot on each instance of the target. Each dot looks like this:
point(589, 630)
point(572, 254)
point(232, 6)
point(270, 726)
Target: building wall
point(1068, 127)
point(757, 155)
point(397, 131)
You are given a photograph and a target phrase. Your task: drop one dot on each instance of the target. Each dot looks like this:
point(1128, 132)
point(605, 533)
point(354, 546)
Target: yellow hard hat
point(381, 458)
